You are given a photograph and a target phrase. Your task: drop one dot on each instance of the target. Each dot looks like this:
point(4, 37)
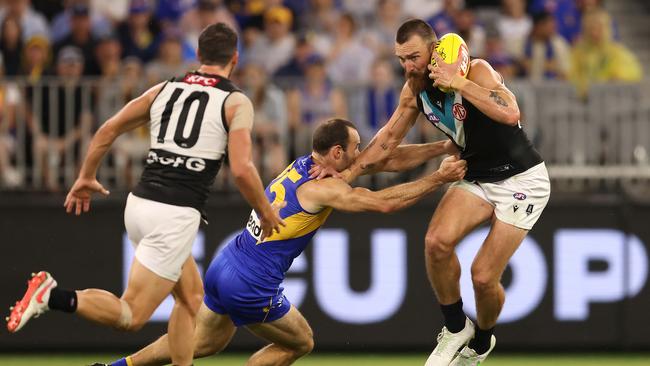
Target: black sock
point(481, 341)
point(63, 300)
point(454, 316)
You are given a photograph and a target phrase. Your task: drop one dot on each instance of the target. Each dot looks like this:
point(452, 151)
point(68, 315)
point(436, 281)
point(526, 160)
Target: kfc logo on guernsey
point(201, 80)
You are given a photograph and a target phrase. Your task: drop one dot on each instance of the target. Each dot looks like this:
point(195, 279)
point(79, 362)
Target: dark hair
point(331, 133)
point(413, 27)
point(217, 44)
point(541, 16)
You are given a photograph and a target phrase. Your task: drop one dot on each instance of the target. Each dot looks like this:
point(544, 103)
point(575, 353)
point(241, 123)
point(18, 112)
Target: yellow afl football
point(451, 47)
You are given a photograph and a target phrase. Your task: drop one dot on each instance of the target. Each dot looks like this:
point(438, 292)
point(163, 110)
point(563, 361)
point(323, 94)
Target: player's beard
point(418, 81)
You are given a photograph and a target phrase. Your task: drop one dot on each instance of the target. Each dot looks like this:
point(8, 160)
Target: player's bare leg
point(145, 291)
point(213, 333)
point(188, 296)
point(458, 213)
point(291, 337)
point(487, 269)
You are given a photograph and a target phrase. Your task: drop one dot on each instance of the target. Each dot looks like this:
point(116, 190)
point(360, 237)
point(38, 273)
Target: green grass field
point(353, 360)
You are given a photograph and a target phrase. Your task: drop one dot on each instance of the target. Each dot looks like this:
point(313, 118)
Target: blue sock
point(120, 362)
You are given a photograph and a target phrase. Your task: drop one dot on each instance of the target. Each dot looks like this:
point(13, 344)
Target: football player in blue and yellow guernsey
point(243, 283)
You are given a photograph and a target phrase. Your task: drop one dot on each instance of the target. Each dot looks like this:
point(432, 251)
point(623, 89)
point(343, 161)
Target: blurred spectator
point(514, 26)
point(170, 61)
point(80, 36)
point(169, 12)
point(547, 54)
point(363, 11)
point(270, 128)
point(10, 177)
point(62, 22)
point(321, 17)
point(444, 21)
point(380, 33)
point(108, 94)
point(349, 60)
point(31, 22)
point(381, 99)
point(131, 147)
point(498, 58)
point(311, 103)
point(205, 12)
point(139, 35)
point(274, 48)
point(108, 53)
point(568, 14)
point(471, 32)
point(11, 45)
point(115, 11)
point(37, 58)
point(596, 57)
point(48, 8)
point(422, 9)
point(59, 118)
point(295, 69)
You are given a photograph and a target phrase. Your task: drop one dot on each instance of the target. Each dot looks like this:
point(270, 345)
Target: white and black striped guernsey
point(493, 151)
point(189, 138)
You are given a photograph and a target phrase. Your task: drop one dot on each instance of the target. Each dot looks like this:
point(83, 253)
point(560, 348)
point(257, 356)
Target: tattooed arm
point(388, 137)
point(484, 88)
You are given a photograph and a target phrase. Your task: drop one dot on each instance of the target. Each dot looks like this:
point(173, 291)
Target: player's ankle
point(63, 300)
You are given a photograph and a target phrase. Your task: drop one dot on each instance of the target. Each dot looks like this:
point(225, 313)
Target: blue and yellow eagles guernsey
point(265, 262)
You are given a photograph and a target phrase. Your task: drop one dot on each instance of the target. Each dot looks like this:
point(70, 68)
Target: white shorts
point(518, 200)
point(161, 234)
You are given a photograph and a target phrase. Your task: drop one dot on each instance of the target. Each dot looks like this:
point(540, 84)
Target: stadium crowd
point(67, 66)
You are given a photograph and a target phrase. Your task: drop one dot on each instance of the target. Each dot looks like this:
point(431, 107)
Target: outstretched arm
point(131, 116)
point(483, 88)
point(407, 157)
point(239, 117)
point(338, 194)
point(388, 137)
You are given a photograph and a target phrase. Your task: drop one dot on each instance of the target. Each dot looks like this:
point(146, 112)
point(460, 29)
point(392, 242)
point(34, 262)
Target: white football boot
point(33, 303)
point(449, 344)
point(469, 357)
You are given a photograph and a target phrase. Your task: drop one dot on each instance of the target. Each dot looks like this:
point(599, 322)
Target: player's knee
point(191, 302)
point(208, 347)
point(437, 246)
point(305, 347)
point(130, 320)
point(482, 279)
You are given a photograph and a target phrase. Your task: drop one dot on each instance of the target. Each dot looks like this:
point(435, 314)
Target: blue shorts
point(228, 292)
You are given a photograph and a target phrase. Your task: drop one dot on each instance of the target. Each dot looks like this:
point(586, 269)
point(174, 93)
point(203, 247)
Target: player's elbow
point(388, 207)
point(239, 170)
point(512, 117)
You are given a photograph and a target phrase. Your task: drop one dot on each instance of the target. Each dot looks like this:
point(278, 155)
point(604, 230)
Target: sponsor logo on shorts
point(459, 111)
point(519, 196)
point(529, 210)
point(515, 208)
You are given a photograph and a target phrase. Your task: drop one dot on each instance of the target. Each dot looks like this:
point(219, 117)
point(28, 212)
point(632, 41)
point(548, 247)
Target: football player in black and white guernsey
point(193, 120)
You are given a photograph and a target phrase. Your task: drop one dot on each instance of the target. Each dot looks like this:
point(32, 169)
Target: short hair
point(413, 27)
point(331, 133)
point(217, 44)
